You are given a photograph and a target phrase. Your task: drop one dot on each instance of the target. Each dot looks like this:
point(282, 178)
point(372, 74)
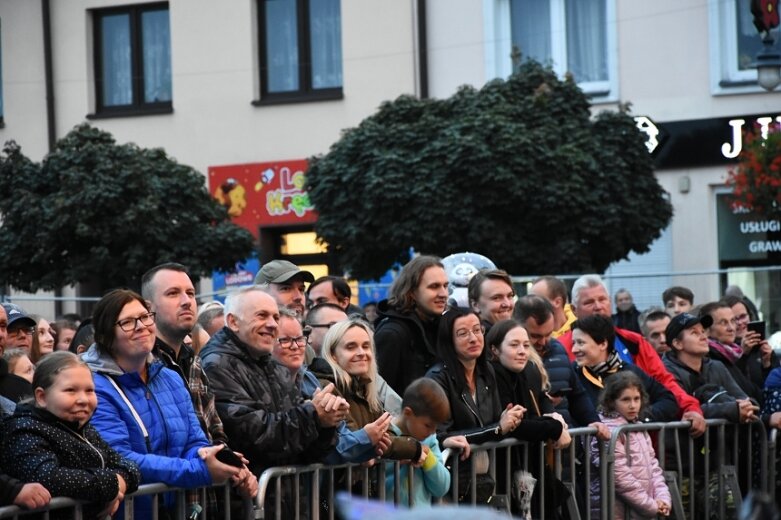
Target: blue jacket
point(431, 480)
point(170, 452)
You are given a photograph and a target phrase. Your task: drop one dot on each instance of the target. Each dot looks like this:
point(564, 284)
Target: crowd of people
point(152, 388)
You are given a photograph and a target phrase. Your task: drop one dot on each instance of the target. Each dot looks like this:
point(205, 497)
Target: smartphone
point(757, 326)
point(226, 456)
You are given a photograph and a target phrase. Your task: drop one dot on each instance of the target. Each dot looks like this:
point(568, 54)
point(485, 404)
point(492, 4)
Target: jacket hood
point(384, 310)
point(101, 362)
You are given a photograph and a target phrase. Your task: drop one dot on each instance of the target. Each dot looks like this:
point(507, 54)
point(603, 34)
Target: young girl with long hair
point(641, 492)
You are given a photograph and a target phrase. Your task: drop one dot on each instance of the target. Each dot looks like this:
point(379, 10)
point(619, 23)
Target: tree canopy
point(102, 213)
point(518, 171)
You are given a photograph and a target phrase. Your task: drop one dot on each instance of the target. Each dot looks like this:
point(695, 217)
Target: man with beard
point(284, 281)
point(406, 335)
point(171, 295)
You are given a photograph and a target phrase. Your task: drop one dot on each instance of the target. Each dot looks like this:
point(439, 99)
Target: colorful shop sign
point(263, 194)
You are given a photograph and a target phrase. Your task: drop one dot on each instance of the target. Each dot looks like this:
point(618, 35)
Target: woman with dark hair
point(470, 385)
point(593, 345)
point(519, 379)
point(144, 410)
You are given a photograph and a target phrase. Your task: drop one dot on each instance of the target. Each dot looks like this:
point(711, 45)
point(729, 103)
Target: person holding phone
point(722, 347)
point(758, 358)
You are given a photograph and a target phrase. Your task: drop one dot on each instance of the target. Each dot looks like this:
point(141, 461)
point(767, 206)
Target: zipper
point(477, 416)
point(83, 438)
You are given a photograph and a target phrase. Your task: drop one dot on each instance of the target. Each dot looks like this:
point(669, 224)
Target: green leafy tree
point(101, 213)
point(519, 171)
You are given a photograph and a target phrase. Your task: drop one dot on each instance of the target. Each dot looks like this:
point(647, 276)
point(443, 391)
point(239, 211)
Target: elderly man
point(211, 317)
point(589, 297)
point(284, 281)
point(262, 409)
point(491, 296)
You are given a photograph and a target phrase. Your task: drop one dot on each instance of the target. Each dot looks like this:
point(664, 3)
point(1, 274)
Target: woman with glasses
point(144, 410)
point(470, 384)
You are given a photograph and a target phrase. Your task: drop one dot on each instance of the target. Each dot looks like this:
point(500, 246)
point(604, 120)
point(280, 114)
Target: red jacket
point(645, 357)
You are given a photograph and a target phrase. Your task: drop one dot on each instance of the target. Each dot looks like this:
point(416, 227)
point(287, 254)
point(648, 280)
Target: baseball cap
point(17, 316)
point(208, 306)
point(685, 321)
point(280, 271)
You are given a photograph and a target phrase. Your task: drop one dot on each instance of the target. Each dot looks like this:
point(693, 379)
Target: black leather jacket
point(479, 422)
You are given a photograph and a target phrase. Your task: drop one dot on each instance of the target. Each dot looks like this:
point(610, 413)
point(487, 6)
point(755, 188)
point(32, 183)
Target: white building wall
point(215, 76)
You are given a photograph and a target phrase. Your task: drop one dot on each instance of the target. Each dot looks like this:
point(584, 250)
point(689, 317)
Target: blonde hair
point(343, 379)
point(537, 360)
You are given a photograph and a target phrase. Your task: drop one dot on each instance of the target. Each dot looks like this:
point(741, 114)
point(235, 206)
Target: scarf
point(730, 352)
point(610, 365)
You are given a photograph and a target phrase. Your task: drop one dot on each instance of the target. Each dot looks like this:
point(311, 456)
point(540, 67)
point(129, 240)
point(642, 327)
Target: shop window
point(300, 50)
point(132, 60)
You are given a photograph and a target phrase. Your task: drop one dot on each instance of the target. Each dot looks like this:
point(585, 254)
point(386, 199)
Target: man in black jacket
point(406, 330)
point(569, 397)
point(261, 408)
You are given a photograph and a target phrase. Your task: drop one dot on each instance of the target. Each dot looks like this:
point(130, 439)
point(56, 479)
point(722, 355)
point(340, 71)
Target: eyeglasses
point(29, 331)
point(322, 325)
point(464, 333)
point(288, 342)
point(130, 324)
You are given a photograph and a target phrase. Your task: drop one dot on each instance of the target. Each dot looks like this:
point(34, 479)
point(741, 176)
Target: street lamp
point(768, 60)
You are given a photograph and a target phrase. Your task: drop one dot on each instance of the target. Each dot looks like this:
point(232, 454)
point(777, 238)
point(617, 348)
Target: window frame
point(138, 106)
point(497, 27)
point(305, 92)
point(726, 78)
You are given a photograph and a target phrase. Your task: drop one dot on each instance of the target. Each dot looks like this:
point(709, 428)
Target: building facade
point(263, 84)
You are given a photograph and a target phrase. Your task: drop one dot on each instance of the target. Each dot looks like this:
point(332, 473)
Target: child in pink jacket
point(641, 492)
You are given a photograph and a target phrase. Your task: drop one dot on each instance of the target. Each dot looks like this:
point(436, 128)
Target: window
point(133, 60)
point(735, 43)
point(574, 36)
point(300, 50)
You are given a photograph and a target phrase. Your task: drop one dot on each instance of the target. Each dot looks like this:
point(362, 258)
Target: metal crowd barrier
point(737, 458)
point(61, 504)
point(282, 490)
